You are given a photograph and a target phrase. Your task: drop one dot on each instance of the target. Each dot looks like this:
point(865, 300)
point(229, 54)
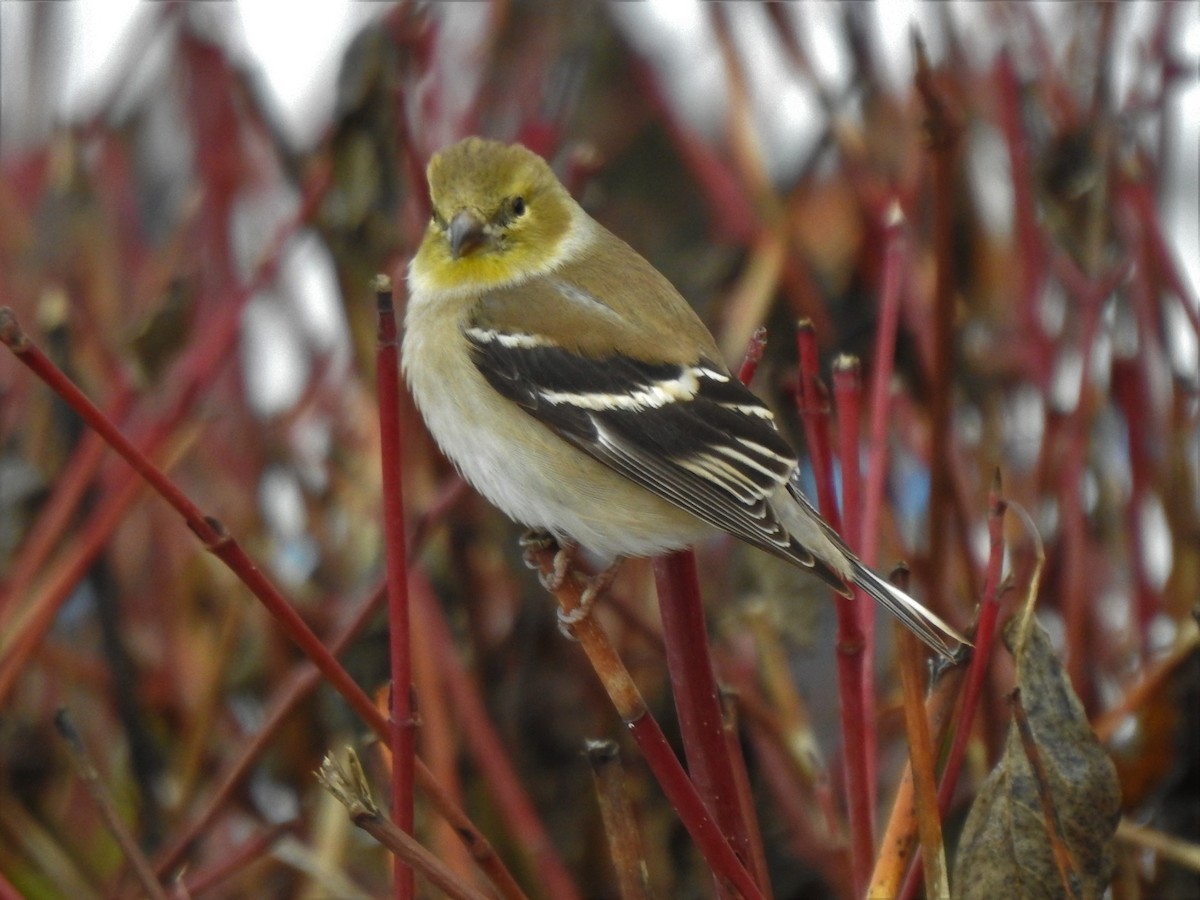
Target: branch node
point(11, 333)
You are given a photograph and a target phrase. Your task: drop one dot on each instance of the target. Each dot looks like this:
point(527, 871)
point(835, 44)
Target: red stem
point(989, 614)
point(681, 794)
point(847, 395)
point(943, 133)
point(814, 412)
point(729, 871)
point(194, 373)
point(694, 684)
point(754, 354)
point(403, 725)
point(813, 403)
point(697, 699)
point(895, 268)
point(218, 542)
point(1028, 234)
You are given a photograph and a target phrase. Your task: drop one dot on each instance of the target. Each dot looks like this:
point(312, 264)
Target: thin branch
point(631, 707)
point(86, 770)
point(391, 457)
point(812, 400)
point(920, 749)
point(943, 130)
point(697, 699)
point(221, 544)
point(620, 824)
point(348, 783)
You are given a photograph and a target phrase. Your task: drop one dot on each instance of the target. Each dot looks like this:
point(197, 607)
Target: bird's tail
point(936, 634)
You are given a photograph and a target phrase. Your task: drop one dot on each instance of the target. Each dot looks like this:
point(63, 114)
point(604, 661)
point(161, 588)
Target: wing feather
point(689, 433)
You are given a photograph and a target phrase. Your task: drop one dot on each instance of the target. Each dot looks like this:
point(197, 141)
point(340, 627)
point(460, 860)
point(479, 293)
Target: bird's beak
point(466, 233)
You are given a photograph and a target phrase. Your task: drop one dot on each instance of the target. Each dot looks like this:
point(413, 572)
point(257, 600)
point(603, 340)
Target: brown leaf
point(1042, 828)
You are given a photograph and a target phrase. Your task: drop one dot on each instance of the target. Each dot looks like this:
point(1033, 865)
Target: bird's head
point(499, 213)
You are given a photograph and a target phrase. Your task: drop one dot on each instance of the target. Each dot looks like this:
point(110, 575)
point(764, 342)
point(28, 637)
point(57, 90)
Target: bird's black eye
point(518, 206)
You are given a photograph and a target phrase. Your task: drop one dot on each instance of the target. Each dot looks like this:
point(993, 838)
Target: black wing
point(690, 434)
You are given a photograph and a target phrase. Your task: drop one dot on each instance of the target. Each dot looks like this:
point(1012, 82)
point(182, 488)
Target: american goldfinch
point(578, 392)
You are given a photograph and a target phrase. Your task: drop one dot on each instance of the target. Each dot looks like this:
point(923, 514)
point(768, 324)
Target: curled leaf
point(1044, 821)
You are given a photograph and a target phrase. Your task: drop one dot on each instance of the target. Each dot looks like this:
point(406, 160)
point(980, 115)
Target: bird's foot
point(564, 558)
point(593, 587)
point(536, 541)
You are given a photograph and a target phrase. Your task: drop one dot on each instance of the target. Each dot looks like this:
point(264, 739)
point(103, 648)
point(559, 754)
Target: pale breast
point(518, 464)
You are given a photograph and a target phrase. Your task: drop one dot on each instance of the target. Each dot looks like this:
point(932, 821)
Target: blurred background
point(193, 200)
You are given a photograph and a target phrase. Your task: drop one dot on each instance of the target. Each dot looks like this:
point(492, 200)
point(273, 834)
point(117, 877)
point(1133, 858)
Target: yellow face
point(499, 215)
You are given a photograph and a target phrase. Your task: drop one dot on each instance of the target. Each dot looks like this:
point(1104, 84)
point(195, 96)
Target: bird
point(578, 392)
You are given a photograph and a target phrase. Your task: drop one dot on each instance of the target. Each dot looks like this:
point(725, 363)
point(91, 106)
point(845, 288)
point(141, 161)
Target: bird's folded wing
point(689, 433)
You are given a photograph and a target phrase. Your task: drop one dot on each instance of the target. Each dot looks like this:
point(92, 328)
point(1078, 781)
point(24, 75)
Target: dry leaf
point(1008, 847)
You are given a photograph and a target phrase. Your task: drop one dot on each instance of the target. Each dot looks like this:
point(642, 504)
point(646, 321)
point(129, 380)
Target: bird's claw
point(537, 539)
point(593, 587)
point(533, 542)
point(557, 577)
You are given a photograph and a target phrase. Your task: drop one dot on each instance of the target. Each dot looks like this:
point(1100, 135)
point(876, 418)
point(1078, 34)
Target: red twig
point(814, 412)
point(895, 268)
point(989, 614)
point(1028, 233)
point(631, 707)
point(403, 724)
point(209, 530)
point(943, 129)
point(218, 542)
point(847, 394)
point(754, 354)
point(194, 373)
point(694, 685)
point(697, 700)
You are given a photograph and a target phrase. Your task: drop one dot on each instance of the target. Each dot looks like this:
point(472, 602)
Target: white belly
point(522, 467)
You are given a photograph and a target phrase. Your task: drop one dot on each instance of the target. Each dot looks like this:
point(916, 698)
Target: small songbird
point(577, 391)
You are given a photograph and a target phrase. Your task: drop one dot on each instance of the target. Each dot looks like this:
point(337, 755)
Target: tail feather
point(923, 623)
point(819, 548)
